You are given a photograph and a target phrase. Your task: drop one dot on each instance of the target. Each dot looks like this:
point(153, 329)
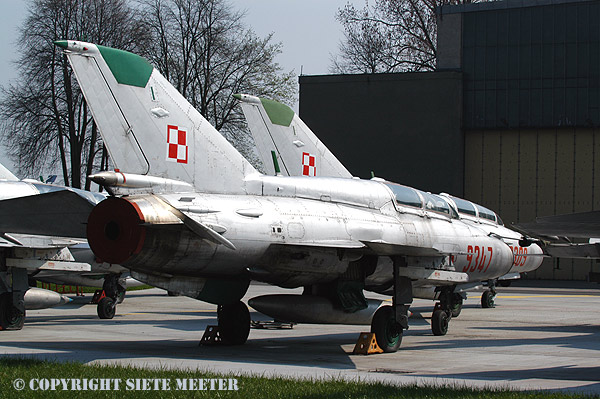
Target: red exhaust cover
point(115, 230)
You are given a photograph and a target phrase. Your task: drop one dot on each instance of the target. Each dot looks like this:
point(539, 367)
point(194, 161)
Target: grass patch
point(248, 386)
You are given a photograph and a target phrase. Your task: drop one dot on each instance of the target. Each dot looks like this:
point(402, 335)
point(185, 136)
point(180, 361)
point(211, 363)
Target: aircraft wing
point(59, 213)
point(327, 244)
point(581, 225)
point(35, 241)
point(553, 230)
point(382, 248)
point(378, 247)
point(573, 251)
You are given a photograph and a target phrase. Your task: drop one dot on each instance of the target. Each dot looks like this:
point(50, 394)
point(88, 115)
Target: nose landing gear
point(488, 297)
point(449, 306)
point(440, 319)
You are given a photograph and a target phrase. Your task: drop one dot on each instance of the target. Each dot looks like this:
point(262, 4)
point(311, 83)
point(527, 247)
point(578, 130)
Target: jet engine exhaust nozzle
point(115, 230)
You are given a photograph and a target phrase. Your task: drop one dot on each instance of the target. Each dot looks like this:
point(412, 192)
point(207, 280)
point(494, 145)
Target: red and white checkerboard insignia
point(177, 144)
point(309, 165)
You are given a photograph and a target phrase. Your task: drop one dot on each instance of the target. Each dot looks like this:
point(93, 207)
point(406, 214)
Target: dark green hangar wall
point(531, 108)
point(510, 119)
point(527, 66)
point(404, 127)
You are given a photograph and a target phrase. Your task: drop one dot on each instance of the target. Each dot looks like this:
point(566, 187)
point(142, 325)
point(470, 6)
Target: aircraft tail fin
point(6, 174)
point(284, 140)
point(148, 127)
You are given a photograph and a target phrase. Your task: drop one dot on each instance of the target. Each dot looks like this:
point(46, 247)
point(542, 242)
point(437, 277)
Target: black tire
point(388, 332)
point(439, 322)
point(487, 299)
point(10, 317)
point(234, 323)
point(106, 308)
point(173, 293)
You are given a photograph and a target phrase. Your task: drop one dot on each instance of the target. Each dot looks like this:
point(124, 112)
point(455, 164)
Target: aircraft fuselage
point(299, 231)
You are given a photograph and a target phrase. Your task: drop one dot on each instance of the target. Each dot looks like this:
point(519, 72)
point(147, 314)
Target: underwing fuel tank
point(311, 309)
point(39, 298)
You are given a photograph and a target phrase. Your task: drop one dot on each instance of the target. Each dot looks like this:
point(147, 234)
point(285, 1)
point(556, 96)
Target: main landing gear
point(13, 285)
point(113, 293)
point(389, 321)
point(12, 317)
point(449, 306)
point(234, 323)
point(388, 332)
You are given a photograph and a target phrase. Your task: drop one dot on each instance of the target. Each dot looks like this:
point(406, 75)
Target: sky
point(307, 29)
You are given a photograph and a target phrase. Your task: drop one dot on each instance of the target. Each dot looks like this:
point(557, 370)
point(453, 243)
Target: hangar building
point(510, 119)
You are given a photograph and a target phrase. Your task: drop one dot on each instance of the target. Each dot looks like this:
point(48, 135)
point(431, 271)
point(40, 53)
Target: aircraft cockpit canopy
point(500, 222)
point(464, 206)
point(469, 208)
point(437, 204)
point(407, 196)
point(485, 213)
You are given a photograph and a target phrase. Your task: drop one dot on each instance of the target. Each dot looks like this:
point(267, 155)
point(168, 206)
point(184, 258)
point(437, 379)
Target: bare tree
point(391, 36)
point(204, 49)
point(201, 46)
point(45, 118)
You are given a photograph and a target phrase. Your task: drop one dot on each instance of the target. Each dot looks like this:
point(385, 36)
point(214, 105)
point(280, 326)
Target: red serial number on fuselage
point(480, 258)
point(520, 255)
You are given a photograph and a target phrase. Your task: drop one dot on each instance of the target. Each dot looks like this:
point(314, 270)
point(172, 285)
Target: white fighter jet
point(288, 147)
point(42, 238)
point(200, 220)
point(24, 254)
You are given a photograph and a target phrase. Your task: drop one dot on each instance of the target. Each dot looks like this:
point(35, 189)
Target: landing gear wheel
point(114, 287)
point(121, 297)
point(106, 308)
point(439, 322)
point(388, 332)
point(456, 308)
point(487, 299)
point(11, 318)
point(234, 323)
